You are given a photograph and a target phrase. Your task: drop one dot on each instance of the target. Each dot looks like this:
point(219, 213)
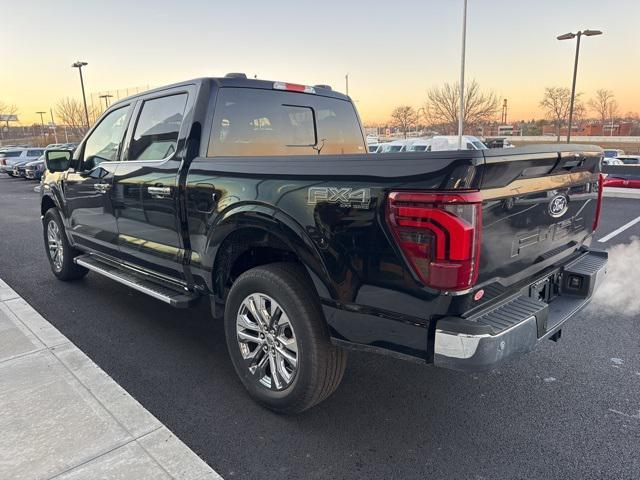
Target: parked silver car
point(9, 158)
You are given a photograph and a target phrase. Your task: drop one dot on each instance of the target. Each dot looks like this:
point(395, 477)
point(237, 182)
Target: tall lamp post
point(42, 124)
point(571, 36)
point(462, 59)
point(79, 66)
point(106, 100)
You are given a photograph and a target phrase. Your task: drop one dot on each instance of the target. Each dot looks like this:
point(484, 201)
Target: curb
point(65, 418)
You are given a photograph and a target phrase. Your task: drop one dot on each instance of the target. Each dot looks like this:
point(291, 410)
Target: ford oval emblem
point(558, 206)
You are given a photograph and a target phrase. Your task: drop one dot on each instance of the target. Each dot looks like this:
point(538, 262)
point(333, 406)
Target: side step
point(163, 291)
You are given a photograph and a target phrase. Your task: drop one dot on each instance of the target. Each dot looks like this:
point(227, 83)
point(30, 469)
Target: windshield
point(480, 145)
point(610, 153)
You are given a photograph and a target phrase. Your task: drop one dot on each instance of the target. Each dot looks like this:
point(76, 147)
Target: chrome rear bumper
point(517, 325)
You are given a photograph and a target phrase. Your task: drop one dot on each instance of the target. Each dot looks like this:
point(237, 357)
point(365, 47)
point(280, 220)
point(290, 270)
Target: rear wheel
point(59, 252)
point(278, 340)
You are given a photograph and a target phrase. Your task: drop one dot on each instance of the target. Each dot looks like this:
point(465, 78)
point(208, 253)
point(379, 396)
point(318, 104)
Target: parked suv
point(260, 198)
point(9, 158)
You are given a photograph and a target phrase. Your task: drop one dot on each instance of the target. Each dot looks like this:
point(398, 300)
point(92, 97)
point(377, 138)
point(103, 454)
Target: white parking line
point(606, 238)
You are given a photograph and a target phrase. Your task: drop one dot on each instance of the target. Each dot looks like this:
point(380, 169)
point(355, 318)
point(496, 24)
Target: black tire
point(67, 269)
point(320, 365)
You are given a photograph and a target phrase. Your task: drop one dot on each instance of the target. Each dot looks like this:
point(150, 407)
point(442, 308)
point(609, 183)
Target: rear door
point(539, 206)
point(88, 187)
point(146, 183)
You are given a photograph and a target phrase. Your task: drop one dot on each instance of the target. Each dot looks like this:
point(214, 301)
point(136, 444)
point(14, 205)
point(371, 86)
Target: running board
point(172, 295)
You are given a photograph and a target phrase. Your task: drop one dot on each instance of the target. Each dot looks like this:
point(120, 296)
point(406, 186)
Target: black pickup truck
point(260, 197)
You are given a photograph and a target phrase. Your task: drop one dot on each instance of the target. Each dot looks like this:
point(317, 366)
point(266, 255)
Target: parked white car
point(393, 147)
point(629, 159)
point(612, 152)
point(420, 145)
point(450, 142)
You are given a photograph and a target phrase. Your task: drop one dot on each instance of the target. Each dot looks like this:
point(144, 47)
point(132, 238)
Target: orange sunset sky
point(393, 51)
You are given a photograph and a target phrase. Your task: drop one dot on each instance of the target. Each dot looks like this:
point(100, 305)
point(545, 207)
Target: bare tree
point(443, 105)
point(601, 104)
point(7, 110)
point(556, 103)
point(71, 113)
point(404, 117)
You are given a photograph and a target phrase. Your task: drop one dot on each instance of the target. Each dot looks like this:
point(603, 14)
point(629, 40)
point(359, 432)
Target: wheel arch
point(254, 237)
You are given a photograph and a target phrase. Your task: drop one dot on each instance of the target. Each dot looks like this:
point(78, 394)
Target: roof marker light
point(293, 87)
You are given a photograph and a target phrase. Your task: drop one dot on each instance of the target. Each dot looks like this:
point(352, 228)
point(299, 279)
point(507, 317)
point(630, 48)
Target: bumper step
point(487, 339)
point(156, 288)
point(511, 313)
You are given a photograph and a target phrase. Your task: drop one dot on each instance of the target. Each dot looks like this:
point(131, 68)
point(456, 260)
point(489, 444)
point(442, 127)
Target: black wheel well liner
point(248, 248)
point(46, 203)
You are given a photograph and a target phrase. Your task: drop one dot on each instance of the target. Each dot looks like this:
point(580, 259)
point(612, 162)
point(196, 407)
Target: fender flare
point(271, 221)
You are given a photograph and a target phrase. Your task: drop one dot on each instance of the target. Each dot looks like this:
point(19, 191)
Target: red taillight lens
point(596, 221)
point(439, 234)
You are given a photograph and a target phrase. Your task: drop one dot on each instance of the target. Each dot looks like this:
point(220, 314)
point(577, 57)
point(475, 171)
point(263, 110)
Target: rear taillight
point(596, 220)
point(439, 235)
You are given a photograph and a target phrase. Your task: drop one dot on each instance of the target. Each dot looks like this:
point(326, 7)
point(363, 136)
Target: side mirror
point(57, 160)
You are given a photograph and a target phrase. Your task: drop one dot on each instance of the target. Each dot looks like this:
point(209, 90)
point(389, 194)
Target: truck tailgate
point(539, 205)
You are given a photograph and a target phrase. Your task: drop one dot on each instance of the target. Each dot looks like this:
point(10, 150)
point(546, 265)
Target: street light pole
point(462, 60)
point(79, 66)
point(42, 124)
point(106, 100)
point(573, 87)
point(570, 36)
point(53, 125)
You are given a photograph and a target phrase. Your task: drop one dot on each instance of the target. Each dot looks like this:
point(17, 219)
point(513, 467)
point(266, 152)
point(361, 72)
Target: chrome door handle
point(101, 187)
point(159, 191)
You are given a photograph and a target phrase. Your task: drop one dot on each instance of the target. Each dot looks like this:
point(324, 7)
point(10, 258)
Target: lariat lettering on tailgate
point(552, 232)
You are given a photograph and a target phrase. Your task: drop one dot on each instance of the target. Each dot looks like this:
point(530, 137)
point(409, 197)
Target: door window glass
point(156, 133)
point(103, 144)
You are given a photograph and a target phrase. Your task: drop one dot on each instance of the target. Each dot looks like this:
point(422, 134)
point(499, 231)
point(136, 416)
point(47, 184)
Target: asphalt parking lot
point(567, 410)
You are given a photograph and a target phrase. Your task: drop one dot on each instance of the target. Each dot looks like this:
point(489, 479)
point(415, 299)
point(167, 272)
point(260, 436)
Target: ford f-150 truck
point(261, 198)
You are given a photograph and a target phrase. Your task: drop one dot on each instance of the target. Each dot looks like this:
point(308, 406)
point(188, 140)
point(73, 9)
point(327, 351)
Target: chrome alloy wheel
point(54, 242)
point(267, 341)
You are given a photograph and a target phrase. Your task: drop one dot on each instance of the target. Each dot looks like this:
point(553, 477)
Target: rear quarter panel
point(329, 209)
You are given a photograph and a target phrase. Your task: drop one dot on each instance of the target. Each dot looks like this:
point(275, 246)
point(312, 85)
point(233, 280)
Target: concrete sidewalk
point(62, 417)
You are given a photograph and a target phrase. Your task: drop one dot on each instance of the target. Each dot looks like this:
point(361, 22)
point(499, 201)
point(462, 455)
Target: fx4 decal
point(343, 196)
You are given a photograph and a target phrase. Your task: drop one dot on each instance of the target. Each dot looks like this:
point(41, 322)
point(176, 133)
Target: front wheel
point(59, 252)
point(278, 340)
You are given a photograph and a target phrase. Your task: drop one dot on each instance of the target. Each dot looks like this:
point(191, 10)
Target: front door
point(146, 186)
point(88, 187)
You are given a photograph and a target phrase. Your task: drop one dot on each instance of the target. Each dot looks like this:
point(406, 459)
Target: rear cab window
point(255, 122)
point(155, 136)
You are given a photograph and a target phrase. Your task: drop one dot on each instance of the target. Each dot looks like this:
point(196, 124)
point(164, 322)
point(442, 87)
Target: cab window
point(256, 122)
point(156, 133)
point(103, 145)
